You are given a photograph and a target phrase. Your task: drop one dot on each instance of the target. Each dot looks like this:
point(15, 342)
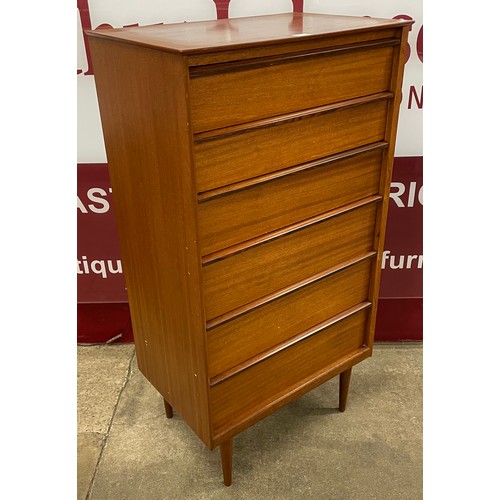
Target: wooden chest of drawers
point(250, 161)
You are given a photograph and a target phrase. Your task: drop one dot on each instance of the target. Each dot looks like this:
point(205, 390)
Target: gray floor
point(127, 449)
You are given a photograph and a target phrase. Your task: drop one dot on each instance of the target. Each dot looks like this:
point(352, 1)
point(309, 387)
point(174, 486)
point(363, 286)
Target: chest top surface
point(223, 34)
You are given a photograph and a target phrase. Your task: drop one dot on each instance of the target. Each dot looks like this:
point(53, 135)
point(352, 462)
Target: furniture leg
point(226, 457)
point(345, 378)
point(168, 409)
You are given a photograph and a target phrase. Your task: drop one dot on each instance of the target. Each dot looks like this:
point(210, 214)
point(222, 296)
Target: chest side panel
point(142, 99)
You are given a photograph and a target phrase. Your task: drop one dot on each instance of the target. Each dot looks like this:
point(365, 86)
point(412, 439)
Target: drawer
point(266, 326)
point(259, 270)
point(258, 386)
point(243, 214)
point(226, 159)
point(243, 91)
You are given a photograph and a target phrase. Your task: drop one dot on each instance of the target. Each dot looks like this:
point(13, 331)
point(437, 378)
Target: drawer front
point(261, 384)
point(252, 333)
point(241, 215)
point(246, 276)
point(241, 92)
point(228, 159)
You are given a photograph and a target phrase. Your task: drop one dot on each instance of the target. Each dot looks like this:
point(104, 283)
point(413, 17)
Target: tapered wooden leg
point(168, 409)
point(226, 457)
point(345, 378)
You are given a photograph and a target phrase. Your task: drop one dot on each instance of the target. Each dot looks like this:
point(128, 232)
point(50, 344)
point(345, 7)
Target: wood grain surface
point(245, 276)
point(385, 179)
point(250, 161)
point(284, 47)
point(233, 158)
point(259, 329)
point(228, 34)
point(162, 271)
point(267, 206)
point(241, 95)
point(242, 394)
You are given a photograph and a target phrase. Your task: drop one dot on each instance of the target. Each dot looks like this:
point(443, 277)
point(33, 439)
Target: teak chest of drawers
point(251, 162)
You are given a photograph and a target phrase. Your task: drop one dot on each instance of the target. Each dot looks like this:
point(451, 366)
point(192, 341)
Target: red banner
point(99, 266)
point(402, 260)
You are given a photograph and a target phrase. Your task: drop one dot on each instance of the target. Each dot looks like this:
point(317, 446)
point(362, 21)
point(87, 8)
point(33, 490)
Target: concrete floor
point(128, 450)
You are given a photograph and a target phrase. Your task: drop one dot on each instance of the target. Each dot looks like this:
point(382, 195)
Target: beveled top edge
point(200, 37)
